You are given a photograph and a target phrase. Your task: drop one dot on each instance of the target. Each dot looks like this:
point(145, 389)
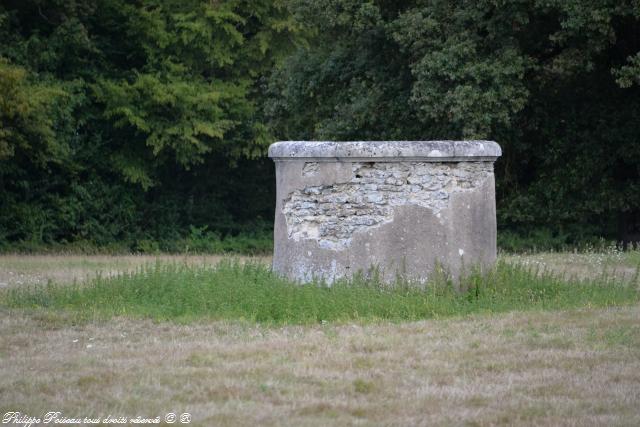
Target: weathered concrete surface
point(400, 206)
point(435, 151)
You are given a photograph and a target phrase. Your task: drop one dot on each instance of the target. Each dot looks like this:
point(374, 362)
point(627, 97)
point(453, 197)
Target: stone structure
point(399, 206)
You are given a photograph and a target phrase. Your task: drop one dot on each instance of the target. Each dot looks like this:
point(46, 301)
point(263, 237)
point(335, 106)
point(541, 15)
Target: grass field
point(569, 355)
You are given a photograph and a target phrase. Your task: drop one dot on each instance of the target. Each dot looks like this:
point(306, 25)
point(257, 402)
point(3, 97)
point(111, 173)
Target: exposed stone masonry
point(331, 214)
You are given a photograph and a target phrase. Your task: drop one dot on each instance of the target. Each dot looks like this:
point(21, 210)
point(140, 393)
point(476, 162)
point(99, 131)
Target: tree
point(555, 82)
point(109, 99)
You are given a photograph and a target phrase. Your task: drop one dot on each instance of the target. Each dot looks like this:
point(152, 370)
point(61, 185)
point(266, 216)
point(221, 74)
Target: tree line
point(145, 122)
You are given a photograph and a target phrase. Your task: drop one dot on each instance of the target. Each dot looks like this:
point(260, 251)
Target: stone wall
point(332, 214)
point(393, 207)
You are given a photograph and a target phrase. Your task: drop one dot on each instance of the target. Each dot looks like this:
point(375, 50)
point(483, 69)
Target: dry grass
point(571, 368)
point(35, 269)
point(579, 367)
point(18, 270)
point(583, 265)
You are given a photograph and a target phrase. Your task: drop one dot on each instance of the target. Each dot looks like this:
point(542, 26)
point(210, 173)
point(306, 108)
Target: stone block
point(399, 206)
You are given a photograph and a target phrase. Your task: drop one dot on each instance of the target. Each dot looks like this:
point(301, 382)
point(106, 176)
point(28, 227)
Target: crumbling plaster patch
point(332, 214)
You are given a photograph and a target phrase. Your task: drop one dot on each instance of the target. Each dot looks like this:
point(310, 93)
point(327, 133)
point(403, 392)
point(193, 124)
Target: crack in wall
point(332, 214)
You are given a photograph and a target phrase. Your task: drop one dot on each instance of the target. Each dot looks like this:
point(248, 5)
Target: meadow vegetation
point(234, 290)
point(543, 339)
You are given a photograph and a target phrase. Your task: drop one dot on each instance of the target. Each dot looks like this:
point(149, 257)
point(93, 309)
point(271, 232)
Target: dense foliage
point(145, 122)
point(132, 120)
point(555, 82)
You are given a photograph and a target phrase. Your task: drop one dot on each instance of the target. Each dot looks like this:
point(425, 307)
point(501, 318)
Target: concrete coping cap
point(380, 151)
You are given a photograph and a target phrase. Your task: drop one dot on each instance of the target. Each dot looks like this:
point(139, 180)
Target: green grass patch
point(251, 292)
